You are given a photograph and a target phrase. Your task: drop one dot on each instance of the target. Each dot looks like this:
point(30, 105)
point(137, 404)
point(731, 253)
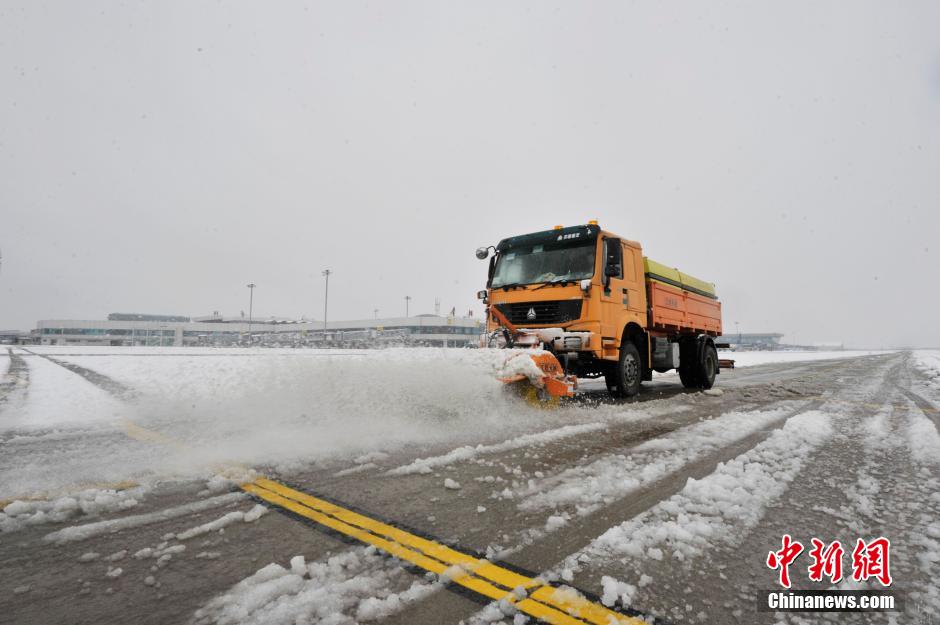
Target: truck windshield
point(549, 262)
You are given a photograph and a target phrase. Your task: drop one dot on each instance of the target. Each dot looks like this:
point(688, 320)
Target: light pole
point(326, 298)
point(738, 331)
point(375, 313)
point(407, 300)
point(251, 303)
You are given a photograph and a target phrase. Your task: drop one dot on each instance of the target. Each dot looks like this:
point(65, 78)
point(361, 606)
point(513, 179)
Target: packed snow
point(357, 585)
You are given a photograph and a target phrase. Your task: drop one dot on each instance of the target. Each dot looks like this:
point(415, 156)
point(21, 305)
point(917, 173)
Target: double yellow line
point(529, 595)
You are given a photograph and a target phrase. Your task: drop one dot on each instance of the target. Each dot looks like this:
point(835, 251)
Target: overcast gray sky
point(158, 156)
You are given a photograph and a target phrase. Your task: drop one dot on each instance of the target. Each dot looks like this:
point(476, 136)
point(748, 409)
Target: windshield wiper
point(512, 285)
point(561, 281)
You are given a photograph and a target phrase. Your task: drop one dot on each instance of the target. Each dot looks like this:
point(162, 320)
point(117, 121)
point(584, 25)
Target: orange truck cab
point(602, 308)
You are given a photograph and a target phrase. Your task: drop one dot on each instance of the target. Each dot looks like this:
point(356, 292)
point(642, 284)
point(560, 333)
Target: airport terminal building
point(759, 341)
point(170, 330)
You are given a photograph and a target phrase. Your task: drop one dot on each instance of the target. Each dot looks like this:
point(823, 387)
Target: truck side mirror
point(613, 259)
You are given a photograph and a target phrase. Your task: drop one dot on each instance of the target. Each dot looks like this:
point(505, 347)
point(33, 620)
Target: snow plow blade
point(545, 383)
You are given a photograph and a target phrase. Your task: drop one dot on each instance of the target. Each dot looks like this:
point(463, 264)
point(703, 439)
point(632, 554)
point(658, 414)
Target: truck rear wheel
point(688, 364)
point(708, 367)
point(623, 380)
point(697, 371)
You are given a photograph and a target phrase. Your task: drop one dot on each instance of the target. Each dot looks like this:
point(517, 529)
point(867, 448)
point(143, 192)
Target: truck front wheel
point(623, 380)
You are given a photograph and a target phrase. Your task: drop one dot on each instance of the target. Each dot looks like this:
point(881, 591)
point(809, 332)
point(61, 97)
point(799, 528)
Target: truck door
point(613, 298)
point(634, 284)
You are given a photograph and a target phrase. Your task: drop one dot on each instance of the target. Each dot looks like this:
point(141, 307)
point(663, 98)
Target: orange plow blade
point(540, 378)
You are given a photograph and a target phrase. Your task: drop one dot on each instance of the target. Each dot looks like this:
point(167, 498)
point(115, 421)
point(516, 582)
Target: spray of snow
point(280, 408)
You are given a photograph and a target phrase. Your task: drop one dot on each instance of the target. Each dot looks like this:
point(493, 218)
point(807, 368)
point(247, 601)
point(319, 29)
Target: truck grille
point(545, 312)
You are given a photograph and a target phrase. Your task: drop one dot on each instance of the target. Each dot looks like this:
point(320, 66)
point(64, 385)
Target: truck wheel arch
point(634, 333)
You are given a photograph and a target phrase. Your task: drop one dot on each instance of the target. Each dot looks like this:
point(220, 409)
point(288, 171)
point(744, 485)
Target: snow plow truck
point(580, 302)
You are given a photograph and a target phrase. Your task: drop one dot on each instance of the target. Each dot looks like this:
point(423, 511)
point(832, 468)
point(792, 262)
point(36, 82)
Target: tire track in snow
point(900, 499)
point(931, 412)
point(16, 379)
point(540, 551)
point(896, 494)
point(723, 548)
point(105, 383)
point(580, 530)
point(649, 552)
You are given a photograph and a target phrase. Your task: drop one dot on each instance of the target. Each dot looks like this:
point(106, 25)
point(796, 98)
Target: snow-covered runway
point(667, 505)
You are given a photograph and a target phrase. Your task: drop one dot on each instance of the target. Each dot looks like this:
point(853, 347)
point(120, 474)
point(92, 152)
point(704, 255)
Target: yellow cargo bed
point(670, 275)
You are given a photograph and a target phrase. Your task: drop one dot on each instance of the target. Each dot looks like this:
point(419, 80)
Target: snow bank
point(357, 585)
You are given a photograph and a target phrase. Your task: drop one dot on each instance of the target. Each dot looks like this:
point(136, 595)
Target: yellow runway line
point(139, 432)
point(494, 582)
